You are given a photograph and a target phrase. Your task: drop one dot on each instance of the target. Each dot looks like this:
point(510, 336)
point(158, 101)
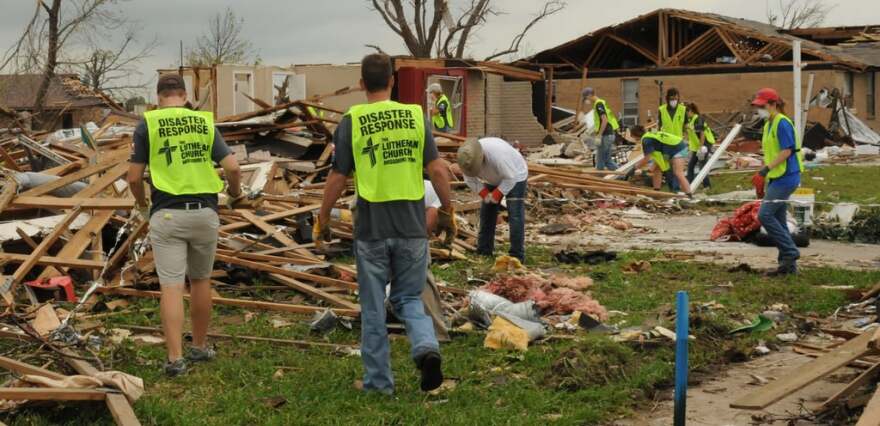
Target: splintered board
point(806, 374)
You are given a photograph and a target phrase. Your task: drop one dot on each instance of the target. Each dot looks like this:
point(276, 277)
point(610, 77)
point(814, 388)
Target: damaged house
point(69, 103)
point(488, 98)
point(716, 61)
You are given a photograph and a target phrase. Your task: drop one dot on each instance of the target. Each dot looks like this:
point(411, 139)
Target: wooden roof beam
point(728, 40)
point(599, 45)
point(635, 46)
point(693, 45)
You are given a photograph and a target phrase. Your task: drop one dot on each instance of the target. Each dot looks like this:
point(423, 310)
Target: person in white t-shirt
point(496, 170)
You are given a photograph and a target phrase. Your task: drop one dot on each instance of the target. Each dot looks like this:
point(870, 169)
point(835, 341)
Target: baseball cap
point(765, 95)
point(170, 82)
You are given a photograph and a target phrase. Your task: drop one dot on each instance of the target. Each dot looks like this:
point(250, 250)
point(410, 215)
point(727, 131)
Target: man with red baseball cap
point(783, 165)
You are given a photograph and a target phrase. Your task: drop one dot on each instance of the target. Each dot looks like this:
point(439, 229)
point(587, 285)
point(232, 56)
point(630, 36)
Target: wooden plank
point(9, 283)
point(277, 234)
point(242, 303)
point(271, 217)
point(53, 261)
point(69, 203)
point(51, 394)
point(121, 410)
point(707, 168)
point(806, 374)
point(871, 415)
point(100, 184)
point(10, 186)
point(314, 292)
point(850, 388)
point(80, 241)
point(117, 403)
point(640, 49)
point(67, 180)
point(297, 343)
point(23, 368)
point(333, 282)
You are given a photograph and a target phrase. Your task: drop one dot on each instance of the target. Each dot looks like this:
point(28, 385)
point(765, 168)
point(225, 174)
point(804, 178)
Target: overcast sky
point(335, 31)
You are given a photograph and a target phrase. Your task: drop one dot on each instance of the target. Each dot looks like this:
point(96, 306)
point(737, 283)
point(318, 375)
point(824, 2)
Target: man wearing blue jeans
point(496, 170)
point(389, 144)
point(606, 128)
point(783, 165)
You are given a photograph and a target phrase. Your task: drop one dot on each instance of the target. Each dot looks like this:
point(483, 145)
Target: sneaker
point(176, 368)
point(195, 354)
point(782, 271)
point(432, 375)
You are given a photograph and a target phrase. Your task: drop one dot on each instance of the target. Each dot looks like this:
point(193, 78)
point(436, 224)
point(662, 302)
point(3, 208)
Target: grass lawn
point(590, 380)
point(833, 183)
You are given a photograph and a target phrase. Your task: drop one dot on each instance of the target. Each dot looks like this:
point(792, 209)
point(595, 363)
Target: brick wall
point(476, 111)
point(518, 123)
point(718, 92)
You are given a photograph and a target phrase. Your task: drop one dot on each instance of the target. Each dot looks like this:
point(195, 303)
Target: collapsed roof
point(675, 39)
point(65, 91)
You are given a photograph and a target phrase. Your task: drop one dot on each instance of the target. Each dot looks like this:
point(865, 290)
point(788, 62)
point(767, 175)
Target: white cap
point(435, 88)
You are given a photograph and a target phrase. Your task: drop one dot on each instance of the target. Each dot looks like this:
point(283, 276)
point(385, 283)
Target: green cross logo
point(370, 150)
point(167, 150)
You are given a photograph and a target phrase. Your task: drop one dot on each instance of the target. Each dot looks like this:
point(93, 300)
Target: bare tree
point(792, 14)
point(43, 43)
point(113, 70)
point(430, 27)
point(222, 43)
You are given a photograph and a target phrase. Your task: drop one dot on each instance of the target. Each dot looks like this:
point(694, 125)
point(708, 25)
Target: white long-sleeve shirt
point(503, 166)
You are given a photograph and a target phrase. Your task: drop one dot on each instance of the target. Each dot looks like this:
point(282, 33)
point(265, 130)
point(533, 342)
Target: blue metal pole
point(681, 357)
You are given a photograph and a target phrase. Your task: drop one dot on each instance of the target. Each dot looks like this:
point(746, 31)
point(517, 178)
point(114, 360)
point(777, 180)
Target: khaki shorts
point(184, 243)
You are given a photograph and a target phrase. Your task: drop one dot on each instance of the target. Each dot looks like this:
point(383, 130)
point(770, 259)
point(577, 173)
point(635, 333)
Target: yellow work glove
point(321, 233)
point(446, 223)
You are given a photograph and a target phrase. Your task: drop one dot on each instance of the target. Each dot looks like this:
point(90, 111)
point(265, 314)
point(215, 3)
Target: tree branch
point(550, 8)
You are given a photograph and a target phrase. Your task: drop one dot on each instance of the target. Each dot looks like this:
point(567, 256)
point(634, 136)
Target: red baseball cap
point(765, 95)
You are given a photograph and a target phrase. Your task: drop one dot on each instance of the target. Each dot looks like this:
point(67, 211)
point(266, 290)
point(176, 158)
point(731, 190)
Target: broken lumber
point(52, 394)
point(806, 374)
point(7, 287)
point(242, 303)
point(871, 415)
point(69, 203)
point(298, 343)
point(860, 381)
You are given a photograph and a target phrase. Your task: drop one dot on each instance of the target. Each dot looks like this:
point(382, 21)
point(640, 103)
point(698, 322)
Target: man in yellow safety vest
point(441, 112)
point(386, 145)
point(181, 146)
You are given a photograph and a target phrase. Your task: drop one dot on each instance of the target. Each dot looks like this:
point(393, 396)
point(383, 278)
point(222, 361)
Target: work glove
point(630, 174)
point(142, 213)
point(447, 223)
point(321, 233)
point(758, 182)
point(704, 152)
point(484, 194)
point(495, 196)
point(764, 171)
point(234, 202)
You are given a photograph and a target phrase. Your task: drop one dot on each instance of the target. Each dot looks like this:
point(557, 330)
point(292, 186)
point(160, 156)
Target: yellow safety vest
point(673, 124)
point(665, 138)
point(770, 145)
point(443, 121)
point(694, 139)
point(612, 120)
point(316, 113)
point(388, 143)
point(181, 141)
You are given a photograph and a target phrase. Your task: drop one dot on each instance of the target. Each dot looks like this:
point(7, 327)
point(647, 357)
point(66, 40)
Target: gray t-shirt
point(141, 155)
point(391, 219)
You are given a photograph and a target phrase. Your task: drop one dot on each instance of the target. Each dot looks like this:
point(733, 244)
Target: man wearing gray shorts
point(181, 146)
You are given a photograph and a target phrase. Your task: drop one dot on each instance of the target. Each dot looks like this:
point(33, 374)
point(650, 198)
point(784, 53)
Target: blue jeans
point(692, 168)
point(772, 217)
point(406, 260)
point(516, 212)
point(603, 153)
